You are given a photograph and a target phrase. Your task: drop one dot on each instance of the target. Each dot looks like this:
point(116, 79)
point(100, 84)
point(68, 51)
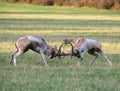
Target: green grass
point(54, 24)
point(60, 79)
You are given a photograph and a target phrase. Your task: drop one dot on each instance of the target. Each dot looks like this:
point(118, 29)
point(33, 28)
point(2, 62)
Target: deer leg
point(93, 60)
point(43, 57)
point(15, 55)
point(92, 52)
point(83, 55)
point(80, 59)
point(106, 59)
point(12, 57)
point(78, 62)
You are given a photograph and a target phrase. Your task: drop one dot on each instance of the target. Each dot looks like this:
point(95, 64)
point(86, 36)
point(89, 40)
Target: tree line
point(99, 4)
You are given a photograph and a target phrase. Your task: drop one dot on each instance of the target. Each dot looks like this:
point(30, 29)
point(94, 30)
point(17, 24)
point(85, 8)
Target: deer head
point(54, 53)
point(57, 52)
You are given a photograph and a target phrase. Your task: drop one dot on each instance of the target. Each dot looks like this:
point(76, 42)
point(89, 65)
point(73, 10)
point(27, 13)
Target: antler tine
point(65, 42)
point(59, 51)
point(60, 47)
point(72, 48)
point(77, 54)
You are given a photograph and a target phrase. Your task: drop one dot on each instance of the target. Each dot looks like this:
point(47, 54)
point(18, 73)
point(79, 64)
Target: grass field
point(54, 24)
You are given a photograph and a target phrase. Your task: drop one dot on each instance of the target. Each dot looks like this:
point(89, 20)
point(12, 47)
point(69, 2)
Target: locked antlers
point(72, 52)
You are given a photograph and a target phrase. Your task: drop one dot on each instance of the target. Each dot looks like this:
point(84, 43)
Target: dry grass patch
point(62, 16)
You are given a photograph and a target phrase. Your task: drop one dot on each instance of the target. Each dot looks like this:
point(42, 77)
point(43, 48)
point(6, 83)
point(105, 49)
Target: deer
point(86, 45)
point(36, 44)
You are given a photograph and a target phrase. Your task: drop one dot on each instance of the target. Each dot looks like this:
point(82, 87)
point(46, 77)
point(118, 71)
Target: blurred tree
point(100, 4)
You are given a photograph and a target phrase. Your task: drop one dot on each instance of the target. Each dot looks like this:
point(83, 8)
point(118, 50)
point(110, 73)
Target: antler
point(59, 51)
point(65, 42)
point(60, 48)
point(71, 53)
point(74, 53)
point(72, 48)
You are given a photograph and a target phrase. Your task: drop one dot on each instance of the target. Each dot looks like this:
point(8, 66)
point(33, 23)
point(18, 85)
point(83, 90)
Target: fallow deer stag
point(85, 45)
point(36, 44)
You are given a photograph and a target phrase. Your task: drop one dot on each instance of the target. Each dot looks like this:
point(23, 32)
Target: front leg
point(81, 58)
point(43, 57)
point(83, 54)
point(78, 62)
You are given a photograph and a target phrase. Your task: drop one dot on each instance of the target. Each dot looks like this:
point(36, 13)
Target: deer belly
point(36, 49)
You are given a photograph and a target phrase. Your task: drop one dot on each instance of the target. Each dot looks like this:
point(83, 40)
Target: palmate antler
point(71, 53)
point(74, 52)
point(59, 52)
point(65, 42)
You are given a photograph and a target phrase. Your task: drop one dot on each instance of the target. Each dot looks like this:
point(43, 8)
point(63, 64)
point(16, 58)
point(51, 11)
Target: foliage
point(100, 4)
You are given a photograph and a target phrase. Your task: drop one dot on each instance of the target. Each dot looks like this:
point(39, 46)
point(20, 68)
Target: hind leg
point(94, 54)
point(12, 57)
point(105, 57)
point(15, 55)
point(93, 60)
